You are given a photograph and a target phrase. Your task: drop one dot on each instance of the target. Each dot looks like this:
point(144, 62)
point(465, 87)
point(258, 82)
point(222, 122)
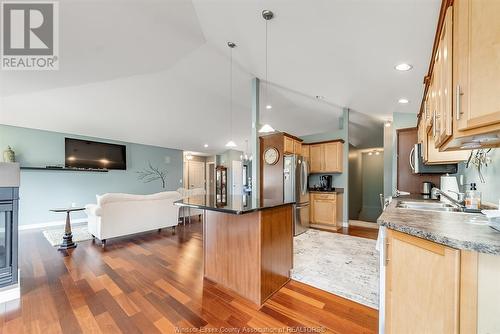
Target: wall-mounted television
point(91, 154)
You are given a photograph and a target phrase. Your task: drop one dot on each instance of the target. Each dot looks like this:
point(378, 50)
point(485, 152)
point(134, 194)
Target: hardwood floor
point(152, 283)
point(359, 231)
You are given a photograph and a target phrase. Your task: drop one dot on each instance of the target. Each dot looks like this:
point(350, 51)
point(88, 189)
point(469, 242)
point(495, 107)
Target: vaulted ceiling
point(157, 71)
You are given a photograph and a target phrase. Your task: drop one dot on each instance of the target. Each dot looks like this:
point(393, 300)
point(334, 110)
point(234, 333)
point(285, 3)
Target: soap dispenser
point(473, 198)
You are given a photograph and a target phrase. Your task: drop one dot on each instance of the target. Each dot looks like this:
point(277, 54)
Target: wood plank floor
point(152, 283)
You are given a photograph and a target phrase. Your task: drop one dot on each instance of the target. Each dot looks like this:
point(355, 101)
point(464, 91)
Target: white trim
point(11, 292)
point(50, 224)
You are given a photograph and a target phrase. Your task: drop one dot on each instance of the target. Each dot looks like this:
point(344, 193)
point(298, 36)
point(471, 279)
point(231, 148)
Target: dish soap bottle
point(473, 198)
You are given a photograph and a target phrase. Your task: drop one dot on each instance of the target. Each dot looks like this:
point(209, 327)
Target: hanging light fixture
point(244, 157)
point(266, 128)
point(231, 143)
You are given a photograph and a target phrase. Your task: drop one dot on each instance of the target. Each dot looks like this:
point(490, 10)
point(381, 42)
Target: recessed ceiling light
point(269, 106)
point(403, 101)
point(370, 153)
point(205, 146)
point(403, 67)
point(377, 153)
point(387, 124)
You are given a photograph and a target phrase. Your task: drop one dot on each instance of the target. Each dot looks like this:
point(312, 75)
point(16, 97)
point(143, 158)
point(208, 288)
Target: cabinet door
point(305, 151)
point(297, 147)
point(445, 95)
point(477, 61)
point(333, 157)
point(316, 156)
point(323, 211)
point(288, 145)
point(422, 286)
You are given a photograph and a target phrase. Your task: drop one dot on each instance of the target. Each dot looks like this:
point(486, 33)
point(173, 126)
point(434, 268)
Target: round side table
point(67, 242)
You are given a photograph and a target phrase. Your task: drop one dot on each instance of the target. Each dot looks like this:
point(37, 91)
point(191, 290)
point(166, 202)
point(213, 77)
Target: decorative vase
point(9, 155)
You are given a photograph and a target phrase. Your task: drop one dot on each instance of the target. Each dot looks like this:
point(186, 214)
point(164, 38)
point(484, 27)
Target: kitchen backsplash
point(491, 187)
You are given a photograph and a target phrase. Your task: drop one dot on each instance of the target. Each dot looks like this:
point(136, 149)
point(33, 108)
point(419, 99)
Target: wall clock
point(271, 155)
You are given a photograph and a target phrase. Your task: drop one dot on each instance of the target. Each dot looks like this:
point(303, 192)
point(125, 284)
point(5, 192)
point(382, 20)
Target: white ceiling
point(156, 71)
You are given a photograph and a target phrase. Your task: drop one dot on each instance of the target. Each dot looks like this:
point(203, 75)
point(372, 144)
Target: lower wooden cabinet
point(422, 286)
point(326, 209)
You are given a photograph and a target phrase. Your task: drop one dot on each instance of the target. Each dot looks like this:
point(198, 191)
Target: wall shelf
point(66, 169)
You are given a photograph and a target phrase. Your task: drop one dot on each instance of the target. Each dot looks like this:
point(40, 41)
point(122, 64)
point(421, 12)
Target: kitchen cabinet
point(477, 59)
point(326, 209)
point(461, 105)
point(442, 123)
point(326, 157)
point(422, 286)
point(291, 145)
point(305, 151)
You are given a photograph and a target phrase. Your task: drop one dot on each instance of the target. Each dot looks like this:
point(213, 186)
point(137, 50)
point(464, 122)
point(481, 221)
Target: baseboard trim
point(11, 292)
point(50, 224)
point(361, 223)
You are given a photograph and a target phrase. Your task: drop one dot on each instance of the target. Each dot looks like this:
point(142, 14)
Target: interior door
point(196, 174)
point(237, 177)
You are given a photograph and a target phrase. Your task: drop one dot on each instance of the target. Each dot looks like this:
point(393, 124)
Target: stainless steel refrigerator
point(295, 175)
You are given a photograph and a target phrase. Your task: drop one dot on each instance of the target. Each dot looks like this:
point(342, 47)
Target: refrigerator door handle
point(304, 177)
point(302, 206)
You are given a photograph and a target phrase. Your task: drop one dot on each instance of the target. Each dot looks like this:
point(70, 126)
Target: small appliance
point(418, 166)
point(295, 175)
point(449, 185)
point(325, 182)
point(426, 188)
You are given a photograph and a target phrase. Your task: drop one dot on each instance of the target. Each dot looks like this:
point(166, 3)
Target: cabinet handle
point(458, 93)
point(387, 253)
point(434, 124)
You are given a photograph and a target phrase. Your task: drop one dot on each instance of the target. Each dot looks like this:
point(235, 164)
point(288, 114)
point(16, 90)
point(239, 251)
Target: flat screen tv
point(91, 154)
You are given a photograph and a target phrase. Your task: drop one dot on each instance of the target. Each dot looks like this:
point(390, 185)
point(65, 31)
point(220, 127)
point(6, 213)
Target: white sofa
point(117, 215)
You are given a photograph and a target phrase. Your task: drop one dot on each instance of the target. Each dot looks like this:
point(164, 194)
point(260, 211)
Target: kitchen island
point(247, 245)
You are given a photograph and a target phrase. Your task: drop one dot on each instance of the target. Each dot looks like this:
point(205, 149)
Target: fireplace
point(9, 198)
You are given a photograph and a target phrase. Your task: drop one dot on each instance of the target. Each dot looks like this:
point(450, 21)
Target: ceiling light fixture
point(231, 46)
point(403, 101)
point(403, 67)
point(370, 153)
point(189, 156)
point(377, 153)
point(387, 124)
point(266, 128)
point(205, 146)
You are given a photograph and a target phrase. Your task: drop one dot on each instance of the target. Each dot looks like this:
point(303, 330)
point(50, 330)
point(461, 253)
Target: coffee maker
point(325, 182)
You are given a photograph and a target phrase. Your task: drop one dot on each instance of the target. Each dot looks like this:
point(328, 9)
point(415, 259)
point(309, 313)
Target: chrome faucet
point(460, 203)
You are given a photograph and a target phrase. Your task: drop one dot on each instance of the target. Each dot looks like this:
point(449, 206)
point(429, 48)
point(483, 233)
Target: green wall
point(42, 190)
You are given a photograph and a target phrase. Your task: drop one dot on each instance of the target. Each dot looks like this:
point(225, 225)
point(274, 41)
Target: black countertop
point(237, 205)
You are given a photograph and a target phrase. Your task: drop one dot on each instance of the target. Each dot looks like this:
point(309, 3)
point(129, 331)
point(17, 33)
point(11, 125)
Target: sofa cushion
point(119, 197)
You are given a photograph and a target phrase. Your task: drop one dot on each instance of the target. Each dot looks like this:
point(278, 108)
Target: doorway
point(237, 177)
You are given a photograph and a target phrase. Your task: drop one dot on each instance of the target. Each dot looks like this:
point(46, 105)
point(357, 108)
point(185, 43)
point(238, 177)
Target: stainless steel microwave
point(418, 167)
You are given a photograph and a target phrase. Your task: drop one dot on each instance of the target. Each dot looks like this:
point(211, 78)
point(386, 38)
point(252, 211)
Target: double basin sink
point(430, 206)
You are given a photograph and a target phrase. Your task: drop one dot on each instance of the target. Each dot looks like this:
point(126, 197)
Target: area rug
point(344, 265)
point(55, 236)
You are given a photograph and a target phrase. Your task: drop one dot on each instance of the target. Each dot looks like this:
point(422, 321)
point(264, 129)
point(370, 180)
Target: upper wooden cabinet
point(477, 63)
point(443, 67)
point(305, 151)
point(326, 157)
point(461, 106)
point(291, 145)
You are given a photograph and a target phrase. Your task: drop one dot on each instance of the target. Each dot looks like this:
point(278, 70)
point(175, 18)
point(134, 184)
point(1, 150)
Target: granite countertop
point(467, 231)
point(334, 190)
point(237, 204)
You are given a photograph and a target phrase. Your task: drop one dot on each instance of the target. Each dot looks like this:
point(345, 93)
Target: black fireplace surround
point(9, 206)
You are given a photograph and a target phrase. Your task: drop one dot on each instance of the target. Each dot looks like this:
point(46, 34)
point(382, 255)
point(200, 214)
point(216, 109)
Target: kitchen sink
point(429, 206)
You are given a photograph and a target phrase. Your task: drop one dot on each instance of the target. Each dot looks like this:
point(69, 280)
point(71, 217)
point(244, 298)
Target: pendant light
point(231, 143)
point(266, 128)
